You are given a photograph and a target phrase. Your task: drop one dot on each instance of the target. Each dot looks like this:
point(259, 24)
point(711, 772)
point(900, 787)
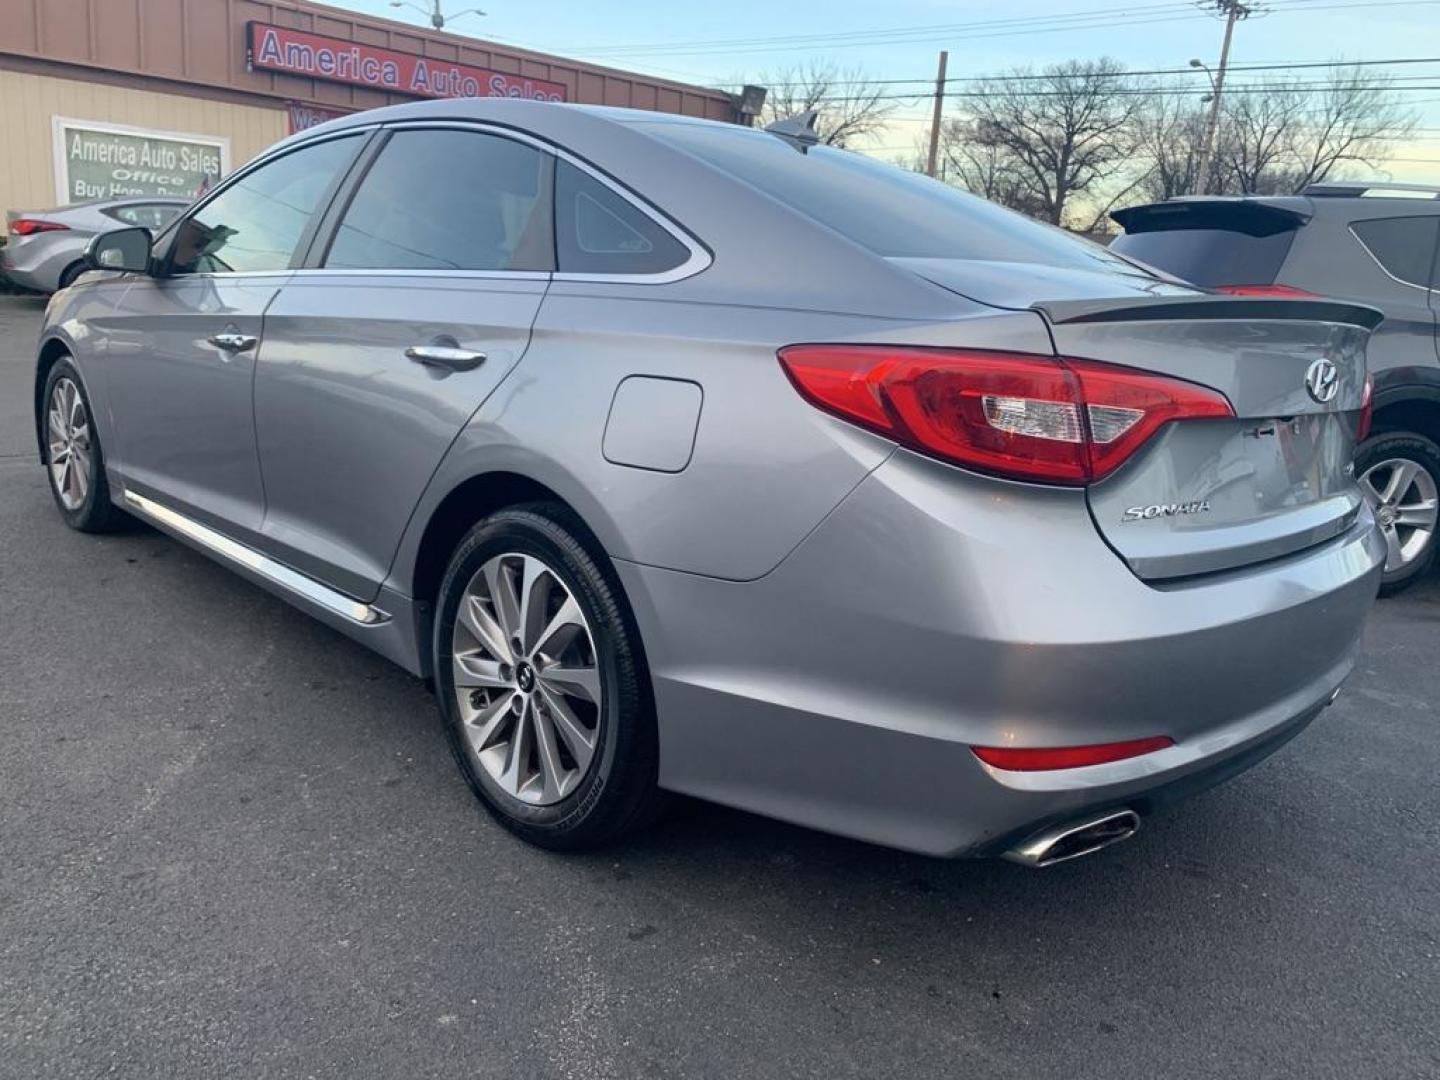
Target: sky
point(723, 43)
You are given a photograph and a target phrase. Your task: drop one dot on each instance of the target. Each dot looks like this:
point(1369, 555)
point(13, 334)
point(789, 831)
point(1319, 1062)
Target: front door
point(376, 357)
point(184, 347)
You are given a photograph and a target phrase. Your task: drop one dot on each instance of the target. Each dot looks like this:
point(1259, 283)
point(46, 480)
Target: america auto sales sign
point(316, 56)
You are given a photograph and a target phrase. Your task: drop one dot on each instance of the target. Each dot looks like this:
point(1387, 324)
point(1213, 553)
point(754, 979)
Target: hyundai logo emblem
point(1322, 380)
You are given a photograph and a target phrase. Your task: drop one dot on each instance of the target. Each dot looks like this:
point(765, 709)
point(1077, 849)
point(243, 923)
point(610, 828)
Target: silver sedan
point(45, 249)
point(687, 457)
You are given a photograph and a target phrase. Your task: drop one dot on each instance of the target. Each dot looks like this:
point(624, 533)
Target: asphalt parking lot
point(232, 843)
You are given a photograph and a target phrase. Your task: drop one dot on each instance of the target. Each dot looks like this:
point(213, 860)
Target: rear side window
point(1211, 257)
point(449, 200)
point(597, 231)
point(888, 210)
point(1404, 246)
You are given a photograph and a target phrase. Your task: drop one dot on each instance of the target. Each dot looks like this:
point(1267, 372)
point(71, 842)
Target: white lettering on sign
point(95, 160)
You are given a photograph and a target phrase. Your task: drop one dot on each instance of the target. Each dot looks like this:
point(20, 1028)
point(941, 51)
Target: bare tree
point(850, 105)
point(1056, 136)
point(1358, 121)
point(1279, 137)
point(1169, 135)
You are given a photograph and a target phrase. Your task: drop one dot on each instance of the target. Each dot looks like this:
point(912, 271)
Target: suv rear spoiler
point(1253, 217)
point(1174, 308)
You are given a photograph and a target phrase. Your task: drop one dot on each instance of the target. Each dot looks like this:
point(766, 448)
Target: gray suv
point(685, 457)
point(1374, 243)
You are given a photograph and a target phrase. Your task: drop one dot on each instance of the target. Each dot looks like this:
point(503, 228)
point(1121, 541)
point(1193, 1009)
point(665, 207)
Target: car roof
point(540, 117)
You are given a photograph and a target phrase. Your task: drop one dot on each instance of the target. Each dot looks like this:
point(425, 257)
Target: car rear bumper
point(934, 610)
point(35, 262)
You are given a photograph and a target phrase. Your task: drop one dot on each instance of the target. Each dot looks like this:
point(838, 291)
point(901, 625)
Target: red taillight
point(1039, 759)
point(1280, 291)
point(26, 226)
point(1060, 421)
point(1367, 410)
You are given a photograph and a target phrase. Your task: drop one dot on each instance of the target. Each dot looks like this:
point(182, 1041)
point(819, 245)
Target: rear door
point(1212, 495)
point(417, 301)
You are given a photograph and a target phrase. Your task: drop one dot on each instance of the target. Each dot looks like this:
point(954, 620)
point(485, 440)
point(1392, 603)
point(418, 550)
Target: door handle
point(233, 342)
point(446, 357)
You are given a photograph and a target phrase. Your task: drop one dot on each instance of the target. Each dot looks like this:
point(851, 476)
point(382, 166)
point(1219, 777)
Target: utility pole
point(1233, 10)
point(935, 122)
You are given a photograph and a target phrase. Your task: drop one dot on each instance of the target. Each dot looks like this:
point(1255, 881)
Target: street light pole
point(436, 16)
point(1234, 10)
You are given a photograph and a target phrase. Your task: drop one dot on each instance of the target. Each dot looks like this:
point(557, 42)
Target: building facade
point(113, 97)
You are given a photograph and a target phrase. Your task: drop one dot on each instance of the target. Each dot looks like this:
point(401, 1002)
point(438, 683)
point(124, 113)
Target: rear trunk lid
point(1211, 495)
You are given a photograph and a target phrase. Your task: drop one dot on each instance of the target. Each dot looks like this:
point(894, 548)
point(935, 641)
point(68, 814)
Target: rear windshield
point(888, 210)
point(1211, 257)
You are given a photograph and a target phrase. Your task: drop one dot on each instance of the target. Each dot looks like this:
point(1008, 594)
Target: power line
point(1097, 19)
point(1127, 73)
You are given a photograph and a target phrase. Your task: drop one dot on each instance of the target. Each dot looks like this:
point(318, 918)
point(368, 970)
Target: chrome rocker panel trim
point(276, 573)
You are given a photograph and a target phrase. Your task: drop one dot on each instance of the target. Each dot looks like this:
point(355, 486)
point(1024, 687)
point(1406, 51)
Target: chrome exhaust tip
point(1065, 842)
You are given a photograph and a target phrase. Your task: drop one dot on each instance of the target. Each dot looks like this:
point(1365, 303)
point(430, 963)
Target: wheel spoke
point(1394, 556)
point(483, 727)
point(1401, 475)
point(82, 476)
point(569, 679)
point(521, 743)
point(562, 629)
point(483, 628)
point(552, 774)
point(56, 423)
point(535, 586)
point(76, 411)
point(1420, 515)
point(579, 741)
point(472, 672)
point(503, 598)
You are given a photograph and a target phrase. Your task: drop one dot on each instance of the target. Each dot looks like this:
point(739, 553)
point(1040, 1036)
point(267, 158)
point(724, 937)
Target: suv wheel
point(540, 678)
point(1400, 475)
point(74, 459)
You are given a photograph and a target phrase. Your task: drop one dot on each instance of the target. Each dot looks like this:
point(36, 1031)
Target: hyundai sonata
point(687, 457)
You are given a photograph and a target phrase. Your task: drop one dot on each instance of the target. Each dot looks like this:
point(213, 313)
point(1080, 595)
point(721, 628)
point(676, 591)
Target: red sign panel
point(303, 117)
point(316, 56)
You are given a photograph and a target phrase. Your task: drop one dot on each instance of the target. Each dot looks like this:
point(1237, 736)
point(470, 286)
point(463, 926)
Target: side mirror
point(120, 249)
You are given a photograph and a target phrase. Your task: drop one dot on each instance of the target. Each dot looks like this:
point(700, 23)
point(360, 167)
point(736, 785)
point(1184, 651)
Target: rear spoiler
point(1174, 308)
point(1251, 216)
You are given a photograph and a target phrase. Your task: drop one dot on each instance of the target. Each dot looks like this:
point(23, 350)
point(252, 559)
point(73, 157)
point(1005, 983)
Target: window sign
point(94, 160)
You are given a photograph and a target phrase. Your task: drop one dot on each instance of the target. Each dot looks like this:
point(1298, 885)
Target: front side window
point(255, 224)
point(1404, 246)
point(446, 199)
point(597, 231)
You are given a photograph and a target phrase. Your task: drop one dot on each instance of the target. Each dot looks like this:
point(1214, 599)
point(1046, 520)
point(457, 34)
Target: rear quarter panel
point(766, 467)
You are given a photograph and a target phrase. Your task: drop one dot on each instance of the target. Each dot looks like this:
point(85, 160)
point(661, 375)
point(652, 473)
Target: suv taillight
point(26, 226)
point(1054, 420)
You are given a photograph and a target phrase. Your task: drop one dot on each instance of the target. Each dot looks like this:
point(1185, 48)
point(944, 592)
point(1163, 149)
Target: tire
point(69, 274)
point(587, 679)
point(82, 493)
point(1399, 472)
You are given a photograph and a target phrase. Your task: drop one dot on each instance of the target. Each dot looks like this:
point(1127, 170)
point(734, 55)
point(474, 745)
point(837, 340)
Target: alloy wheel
point(1403, 495)
point(72, 459)
point(527, 682)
